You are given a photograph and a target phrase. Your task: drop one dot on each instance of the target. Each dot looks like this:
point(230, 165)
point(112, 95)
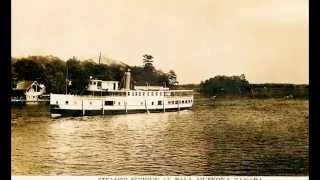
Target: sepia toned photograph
point(159, 88)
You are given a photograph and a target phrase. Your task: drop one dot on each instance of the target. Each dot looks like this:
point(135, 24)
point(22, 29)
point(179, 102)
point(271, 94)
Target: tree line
point(222, 85)
point(239, 86)
point(56, 74)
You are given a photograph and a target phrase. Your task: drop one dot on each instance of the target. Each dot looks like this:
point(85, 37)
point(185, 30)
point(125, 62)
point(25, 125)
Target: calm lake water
point(231, 137)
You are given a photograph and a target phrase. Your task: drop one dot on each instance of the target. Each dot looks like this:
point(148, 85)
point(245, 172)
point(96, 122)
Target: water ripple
point(233, 137)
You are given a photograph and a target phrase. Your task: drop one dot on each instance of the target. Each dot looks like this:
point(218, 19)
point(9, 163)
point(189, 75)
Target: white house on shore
point(32, 90)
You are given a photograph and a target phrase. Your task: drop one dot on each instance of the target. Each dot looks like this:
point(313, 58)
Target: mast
point(66, 78)
point(99, 57)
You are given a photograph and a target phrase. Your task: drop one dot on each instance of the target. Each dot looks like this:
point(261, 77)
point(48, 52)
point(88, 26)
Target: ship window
point(94, 83)
point(57, 102)
point(141, 103)
point(128, 93)
point(156, 93)
point(147, 93)
point(160, 93)
point(67, 102)
point(109, 103)
point(176, 102)
point(90, 103)
point(159, 102)
point(142, 93)
point(152, 103)
point(139, 93)
point(119, 103)
point(99, 85)
point(182, 101)
point(151, 93)
point(136, 93)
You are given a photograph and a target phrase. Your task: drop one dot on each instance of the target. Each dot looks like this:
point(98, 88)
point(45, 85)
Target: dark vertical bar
point(314, 91)
point(5, 76)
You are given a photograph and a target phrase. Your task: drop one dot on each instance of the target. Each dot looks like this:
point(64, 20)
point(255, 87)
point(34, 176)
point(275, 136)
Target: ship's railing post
point(164, 108)
point(83, 110)
point(178, 105)
point(102, 107)
point(125, 106)
point(146, 105)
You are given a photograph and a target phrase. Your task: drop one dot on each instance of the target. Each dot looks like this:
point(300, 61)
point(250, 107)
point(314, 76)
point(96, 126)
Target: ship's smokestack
point(127, 79)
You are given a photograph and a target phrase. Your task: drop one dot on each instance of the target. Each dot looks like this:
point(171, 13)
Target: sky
point(267, 40)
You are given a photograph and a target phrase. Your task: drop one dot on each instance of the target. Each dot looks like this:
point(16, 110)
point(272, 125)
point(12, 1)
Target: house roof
point(22, 85)
point(25, 85)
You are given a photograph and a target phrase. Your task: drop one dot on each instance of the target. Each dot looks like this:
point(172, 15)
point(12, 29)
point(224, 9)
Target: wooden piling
point(83, 110)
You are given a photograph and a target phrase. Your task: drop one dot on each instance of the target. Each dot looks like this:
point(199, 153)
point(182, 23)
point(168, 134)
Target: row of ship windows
point(182, 102)
point(145, 93)
point(111, 103)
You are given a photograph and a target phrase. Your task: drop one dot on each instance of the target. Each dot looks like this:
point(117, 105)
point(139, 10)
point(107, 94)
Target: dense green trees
point(276, 90)
point(239, 86)
point(147, 60)
point(225, 85)
point(52, 71)
point(172, 78)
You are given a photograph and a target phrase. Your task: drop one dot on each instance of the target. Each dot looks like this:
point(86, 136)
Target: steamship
point(106, 97)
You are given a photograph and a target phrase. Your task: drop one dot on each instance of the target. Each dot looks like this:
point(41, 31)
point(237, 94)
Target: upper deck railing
point(140, 93)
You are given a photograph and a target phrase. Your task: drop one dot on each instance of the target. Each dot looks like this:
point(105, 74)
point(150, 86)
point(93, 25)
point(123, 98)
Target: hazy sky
point(267, 40)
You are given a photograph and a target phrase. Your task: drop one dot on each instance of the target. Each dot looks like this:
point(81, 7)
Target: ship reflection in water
point(235, 137)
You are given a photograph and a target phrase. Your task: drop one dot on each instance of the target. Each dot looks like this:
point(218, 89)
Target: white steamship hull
point(74, 105)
